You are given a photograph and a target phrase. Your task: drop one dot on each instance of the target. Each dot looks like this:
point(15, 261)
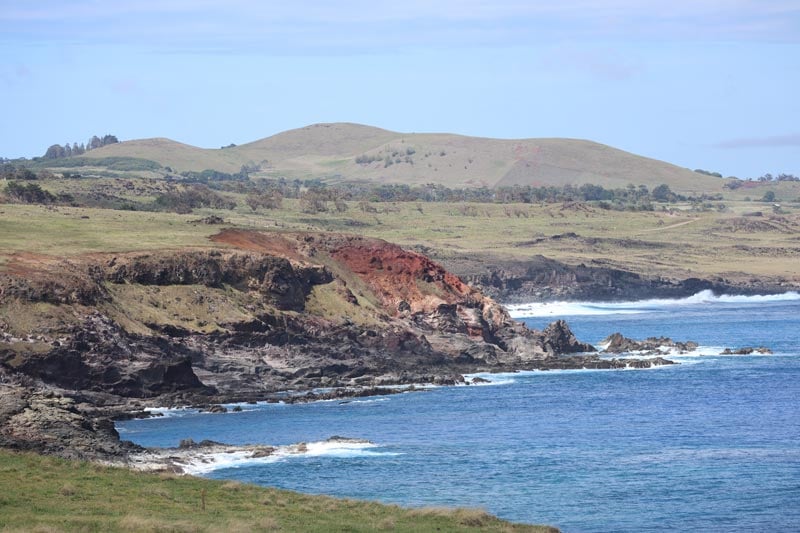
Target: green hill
point(356, 152)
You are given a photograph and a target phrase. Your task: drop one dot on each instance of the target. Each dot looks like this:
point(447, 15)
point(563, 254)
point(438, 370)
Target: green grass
point(66, 231)
point(47, 494)
point(680, 243)
point(111, 163)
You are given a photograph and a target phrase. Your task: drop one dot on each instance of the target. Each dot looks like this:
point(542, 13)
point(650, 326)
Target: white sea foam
point(706, 297)
point(202, 462)
point(370, 400)
point(499, 378)
point(166, 412)
point(507, 378)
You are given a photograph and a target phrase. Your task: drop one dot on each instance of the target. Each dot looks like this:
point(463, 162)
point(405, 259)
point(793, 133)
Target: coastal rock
point(540, 279)
point(201, 458)
point(263, 451)
point(54, 423)
point(617, 343)
point(747, 350)
point(559, 339)
point(261, 314)
point(595, 362)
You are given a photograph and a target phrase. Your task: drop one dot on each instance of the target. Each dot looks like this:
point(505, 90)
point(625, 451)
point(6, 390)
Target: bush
point(184, 201)
point(31, 193)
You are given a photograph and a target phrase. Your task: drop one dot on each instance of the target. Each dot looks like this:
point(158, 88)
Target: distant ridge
point(345, 151)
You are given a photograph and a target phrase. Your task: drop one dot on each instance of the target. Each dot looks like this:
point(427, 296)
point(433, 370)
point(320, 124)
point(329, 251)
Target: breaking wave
point(706, 297)
point(203, 463)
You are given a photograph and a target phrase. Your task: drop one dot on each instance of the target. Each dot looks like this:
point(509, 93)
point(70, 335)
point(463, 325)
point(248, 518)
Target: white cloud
point(360, 25)
point(773, 141)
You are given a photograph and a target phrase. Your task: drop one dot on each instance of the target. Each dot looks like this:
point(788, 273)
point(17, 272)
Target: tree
point(662, 193)
point(31, 193)
point(271, 200)
point(769, 196)
point(56, 151)
point(340, 204)
point(313, 201)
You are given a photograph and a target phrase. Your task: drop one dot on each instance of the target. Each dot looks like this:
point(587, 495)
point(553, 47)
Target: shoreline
point(197, 459)
point(191, 458)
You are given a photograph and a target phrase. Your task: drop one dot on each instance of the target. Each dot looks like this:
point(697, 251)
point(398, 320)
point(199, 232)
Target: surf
point(702, 298)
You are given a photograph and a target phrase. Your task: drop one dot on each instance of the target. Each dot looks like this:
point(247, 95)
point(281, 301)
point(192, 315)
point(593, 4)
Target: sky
point(709, 84)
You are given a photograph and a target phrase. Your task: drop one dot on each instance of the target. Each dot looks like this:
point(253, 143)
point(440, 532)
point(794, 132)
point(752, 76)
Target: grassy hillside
point(46, 494)
point(356, 152)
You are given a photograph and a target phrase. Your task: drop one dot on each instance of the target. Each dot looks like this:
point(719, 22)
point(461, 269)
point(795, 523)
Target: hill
point(343, 151)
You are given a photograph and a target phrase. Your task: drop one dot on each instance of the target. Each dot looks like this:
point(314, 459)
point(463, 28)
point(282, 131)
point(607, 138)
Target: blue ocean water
point(712, 444)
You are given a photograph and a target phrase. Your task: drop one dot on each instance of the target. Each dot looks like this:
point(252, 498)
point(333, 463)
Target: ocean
point(710, 444)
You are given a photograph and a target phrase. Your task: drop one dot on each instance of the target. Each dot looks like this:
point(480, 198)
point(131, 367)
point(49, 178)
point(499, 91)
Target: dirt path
point(662, 228)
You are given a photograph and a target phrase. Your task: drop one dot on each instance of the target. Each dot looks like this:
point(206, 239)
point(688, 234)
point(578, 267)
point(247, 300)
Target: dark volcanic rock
point(617, 343)
point(54, 423)
point(559, 339)
point(346, 315)
point(101, 356)
point(747, 350)
point(543, 279)
point(283, 283)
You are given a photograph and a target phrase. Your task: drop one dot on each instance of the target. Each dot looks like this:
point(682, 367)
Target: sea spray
point(706, 297)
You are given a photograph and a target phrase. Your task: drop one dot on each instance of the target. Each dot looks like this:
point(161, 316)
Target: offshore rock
point(617, 343)
point(747, 350)
point(559, 339)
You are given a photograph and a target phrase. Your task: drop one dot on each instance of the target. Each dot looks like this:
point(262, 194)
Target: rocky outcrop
point(542, 279)
point(100, 356)
point(47, 421)
point(559, 339)
point(617, 343)
point(281, 282)
point(192, 457)
point(747, 350)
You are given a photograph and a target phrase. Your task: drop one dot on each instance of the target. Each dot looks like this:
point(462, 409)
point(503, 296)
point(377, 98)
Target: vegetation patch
point(111, 163)
point(49, 494)
point(334, 301)
point(193, 308)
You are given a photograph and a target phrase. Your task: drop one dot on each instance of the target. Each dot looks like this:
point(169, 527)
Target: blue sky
point(707, 84)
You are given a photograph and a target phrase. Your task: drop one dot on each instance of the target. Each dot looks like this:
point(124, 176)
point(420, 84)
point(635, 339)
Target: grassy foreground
point(47, 494)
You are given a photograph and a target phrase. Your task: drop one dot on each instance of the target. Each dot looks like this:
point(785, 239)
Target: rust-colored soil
point(24, 264)
point(397, 275)
point(270, 243)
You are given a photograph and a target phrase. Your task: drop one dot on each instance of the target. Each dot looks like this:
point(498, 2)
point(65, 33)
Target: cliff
point(92, 337)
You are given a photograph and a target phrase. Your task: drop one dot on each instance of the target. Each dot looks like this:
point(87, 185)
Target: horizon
point(695, 84)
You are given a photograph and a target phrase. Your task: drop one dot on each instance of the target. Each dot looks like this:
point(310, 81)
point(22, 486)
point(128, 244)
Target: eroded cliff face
point(254, 314)
point(541, 279)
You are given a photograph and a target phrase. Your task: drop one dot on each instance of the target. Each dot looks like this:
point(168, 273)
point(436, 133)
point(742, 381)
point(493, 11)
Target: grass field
point(679, 242)
point(48, 495)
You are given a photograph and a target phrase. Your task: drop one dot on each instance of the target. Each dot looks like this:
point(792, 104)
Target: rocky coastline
point(253, 317)
point(540, 279)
